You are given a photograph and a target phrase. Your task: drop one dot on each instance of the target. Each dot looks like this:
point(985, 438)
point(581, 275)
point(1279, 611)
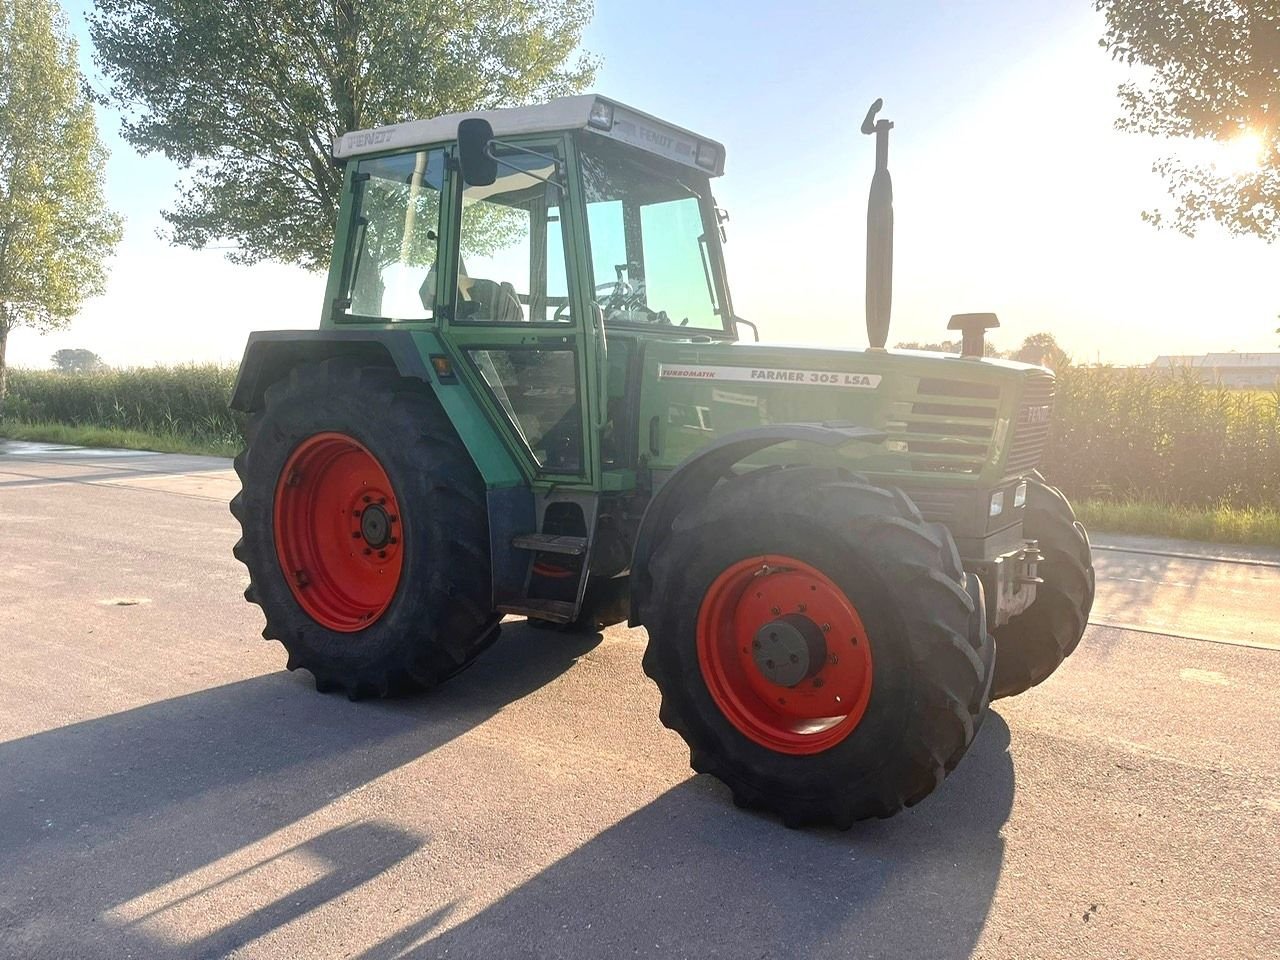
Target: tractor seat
point(481, 299)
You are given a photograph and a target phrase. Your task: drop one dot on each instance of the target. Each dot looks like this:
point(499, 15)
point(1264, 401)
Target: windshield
point(651, 248)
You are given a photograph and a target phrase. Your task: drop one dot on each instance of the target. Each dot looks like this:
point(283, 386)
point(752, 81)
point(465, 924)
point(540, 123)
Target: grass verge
point(1256, 526)
point(113, 437)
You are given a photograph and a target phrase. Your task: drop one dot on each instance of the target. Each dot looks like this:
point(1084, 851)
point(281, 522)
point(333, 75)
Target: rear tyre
point(1034, 643)
point(364, 530)
point(815, 646)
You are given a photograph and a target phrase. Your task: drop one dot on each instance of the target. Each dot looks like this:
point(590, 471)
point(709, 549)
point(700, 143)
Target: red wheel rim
point(737, 639)
point(338, 532)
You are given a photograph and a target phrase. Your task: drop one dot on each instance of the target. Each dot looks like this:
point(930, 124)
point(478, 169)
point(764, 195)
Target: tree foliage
point(947, 346)
point(1209, 70)
point(250, 96)
point(77, 360)
point(55, 229)
point(1042, 349)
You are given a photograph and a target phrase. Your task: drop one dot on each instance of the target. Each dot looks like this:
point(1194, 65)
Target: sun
point(1242, 154)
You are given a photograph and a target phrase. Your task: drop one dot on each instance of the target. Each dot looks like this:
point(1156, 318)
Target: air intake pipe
point(973, 329)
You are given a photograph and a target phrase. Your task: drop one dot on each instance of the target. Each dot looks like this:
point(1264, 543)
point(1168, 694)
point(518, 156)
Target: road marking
point(1160, 583)
point(1273, 646)
point(1188, 556)
point(120, 480)
point(1204, 676)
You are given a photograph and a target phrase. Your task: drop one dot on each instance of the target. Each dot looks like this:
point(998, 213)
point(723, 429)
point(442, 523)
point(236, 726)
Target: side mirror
point(479, 168)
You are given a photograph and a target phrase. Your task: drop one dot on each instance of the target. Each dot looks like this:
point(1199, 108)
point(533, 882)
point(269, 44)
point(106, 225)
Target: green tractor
point(528, 396)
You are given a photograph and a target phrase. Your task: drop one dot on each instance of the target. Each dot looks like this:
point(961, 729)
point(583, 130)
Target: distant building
point(1228, 369)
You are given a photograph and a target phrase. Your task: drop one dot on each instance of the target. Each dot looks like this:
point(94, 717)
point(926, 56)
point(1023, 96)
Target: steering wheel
point(620, 293)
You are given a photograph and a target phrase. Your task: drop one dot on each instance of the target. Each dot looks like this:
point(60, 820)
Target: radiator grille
point(1031, 431)
point(950, 425)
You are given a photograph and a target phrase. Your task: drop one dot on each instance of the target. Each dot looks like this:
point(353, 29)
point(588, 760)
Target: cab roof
point(583, 112)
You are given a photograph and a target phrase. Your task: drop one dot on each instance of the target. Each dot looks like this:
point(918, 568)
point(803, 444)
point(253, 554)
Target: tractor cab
point(525, 237)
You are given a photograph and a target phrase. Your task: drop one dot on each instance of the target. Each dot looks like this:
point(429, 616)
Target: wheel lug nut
point(355, 534)
point(367, 551)
point(775, 610)
point(755, 644)
point(817, 681)
point(382, 554)
point(394, 540)
point(382, 501)
point(801, 607)
point(794, 658)
point(367, 499)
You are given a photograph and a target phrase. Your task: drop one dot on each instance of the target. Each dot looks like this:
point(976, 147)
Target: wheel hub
point(375, 526)
point(789, 650)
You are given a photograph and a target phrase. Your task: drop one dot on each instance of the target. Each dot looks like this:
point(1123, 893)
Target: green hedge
point(1125, 435)
point(186, 401)
point(1117, 435)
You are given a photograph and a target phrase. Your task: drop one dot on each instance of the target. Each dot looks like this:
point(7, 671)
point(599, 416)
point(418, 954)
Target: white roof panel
point(566, 113)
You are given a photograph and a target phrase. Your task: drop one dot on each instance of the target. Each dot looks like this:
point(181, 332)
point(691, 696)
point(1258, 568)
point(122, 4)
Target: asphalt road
point(166, 789)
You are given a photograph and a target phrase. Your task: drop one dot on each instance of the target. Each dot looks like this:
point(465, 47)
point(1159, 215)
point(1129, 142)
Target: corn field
point(1125, 435)
point(186, 402)
point(1118, 434)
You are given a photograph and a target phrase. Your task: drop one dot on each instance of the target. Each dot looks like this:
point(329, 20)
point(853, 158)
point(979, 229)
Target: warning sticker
point(816, 378)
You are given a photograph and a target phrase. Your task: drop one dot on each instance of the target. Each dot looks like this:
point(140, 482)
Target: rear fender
point(696, 476)
point(270, 355)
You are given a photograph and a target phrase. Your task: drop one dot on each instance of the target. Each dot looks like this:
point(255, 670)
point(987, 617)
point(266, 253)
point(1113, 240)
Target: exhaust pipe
point(879, 233)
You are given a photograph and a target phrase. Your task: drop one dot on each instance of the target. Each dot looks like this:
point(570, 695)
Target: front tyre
point(364, 531)
point(1033, 644)
point(815, 646)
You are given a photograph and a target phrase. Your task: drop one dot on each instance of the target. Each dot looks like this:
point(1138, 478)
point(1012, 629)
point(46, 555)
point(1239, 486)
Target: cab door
point(517, 314)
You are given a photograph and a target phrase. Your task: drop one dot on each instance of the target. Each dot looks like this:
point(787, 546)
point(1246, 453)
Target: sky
point(1013, 192)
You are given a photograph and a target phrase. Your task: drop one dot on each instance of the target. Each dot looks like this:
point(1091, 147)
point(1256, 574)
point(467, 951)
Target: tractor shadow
point(111, 828)
point(691, 876)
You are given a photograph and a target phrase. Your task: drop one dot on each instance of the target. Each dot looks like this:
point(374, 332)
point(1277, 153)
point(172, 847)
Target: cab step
point(550, 543)
point(559, 611)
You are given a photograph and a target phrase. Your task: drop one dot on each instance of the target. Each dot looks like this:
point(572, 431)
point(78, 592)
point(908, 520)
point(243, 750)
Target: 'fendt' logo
point(1034, 414)
point(370, 138)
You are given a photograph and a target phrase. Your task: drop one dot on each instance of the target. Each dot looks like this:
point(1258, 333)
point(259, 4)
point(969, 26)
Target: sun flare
point(1242, 154)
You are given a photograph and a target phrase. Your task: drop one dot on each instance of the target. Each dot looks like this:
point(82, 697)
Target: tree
point(1043, 350)
point(77, 360)
point(55, 229)
point(946, 346)
point(251, 96)
point(1213, 73)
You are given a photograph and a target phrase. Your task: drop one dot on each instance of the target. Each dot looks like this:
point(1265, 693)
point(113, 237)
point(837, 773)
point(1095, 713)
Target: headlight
point(997, 503)
point(1020, 494)
point(707, 156)
point(601, 116)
